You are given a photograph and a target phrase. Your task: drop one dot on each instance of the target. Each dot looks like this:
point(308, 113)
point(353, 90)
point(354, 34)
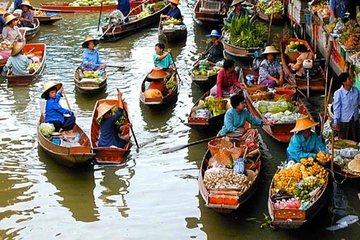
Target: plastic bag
point(348, 152)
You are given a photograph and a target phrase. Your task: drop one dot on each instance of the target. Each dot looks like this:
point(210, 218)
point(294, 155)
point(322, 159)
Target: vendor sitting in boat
point(226, 81)
point(270, 71)
point(304, 143)
point(62, 118)
point(174, 11)
point(18, 63)
point(156, 76)
point(304, 54)
point(91, 58)
point(111, 134)
point(238, 10)
point(161, 58)
point(236, 116)
point(214, 51)
point(11, 32)
point(26, 17)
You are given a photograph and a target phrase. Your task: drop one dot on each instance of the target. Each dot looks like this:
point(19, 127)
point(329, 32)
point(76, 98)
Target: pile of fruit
point(206, 69)
point(331, 26)
point(34, 66)
point(350, 37)
point(171, 20)
point(90, 74)
point(292, 46)
point(245, 32)
point(39, 13)
point(150, 9)
point(301, 181)
point(84, 3)
point(323, 157)
point(270, 7)
point(216, 106)
point(170, 83)
point(322, 8)
point(6, 45)
point(223, 178)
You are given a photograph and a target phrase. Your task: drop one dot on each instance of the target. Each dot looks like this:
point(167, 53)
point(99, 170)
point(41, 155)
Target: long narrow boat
point(113, 33)
point(317, 83)
point(106, 154)
point(172, 32)
point(158, 102)
point(295, 218)
point(89, 85)
point(69, 154)
point(213, 12)
point(204, 82)
point(47, 17)
point(229, 200)
point(279, 131)
point(31, 32)
point(204, 123)
point(38, 50)
point(67, 8)
point(238, 52)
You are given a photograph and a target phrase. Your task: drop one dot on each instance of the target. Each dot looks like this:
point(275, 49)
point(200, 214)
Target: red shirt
point(225, 81)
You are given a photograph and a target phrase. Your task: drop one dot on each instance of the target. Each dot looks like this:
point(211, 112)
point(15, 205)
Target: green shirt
point(234, 120)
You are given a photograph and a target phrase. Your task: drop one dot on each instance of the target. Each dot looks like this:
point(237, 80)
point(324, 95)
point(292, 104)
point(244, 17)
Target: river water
point(153, 196)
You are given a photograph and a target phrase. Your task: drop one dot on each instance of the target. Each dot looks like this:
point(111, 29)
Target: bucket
point(56, 140)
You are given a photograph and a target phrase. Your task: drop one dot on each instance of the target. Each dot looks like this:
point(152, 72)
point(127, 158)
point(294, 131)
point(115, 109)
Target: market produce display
point(170, 83)
point(34, 66)
point(210, 107)
point(270, 7)
point(47, 129)
point(150, 9)
point(171, 20)
point(292, 47)
point(83, 3)
point(223, 178)
point(350, 37)
point(6, 45)
point(322, 8)
point(206, 69)
point(39, 13)
point(323, 157)
point(245, 32)
point(297, 185)
point(346, 155)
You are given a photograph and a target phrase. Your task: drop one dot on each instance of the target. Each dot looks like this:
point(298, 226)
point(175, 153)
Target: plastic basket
point(210, 6)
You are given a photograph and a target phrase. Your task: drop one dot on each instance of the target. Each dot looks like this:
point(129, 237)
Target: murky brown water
point(152, 196)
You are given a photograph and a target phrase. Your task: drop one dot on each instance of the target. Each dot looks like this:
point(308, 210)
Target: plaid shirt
point(266, 68)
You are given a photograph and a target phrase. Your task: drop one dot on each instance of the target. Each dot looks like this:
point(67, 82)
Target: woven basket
point(284, 94)
point(261, 95)
point(285, 87)
point(254, 88)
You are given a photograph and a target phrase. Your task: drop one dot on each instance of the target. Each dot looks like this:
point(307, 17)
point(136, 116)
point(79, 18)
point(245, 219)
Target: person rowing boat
point(91, 58)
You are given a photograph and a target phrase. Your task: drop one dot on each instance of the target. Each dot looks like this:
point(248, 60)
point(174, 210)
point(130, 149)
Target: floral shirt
point(267, 68)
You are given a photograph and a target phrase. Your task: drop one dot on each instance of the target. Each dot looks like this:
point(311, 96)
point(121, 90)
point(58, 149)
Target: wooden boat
point(70, 156)
point(280, 132)
point(177, 33)
point(238, 52)
point(31, 32)
point(106, 154)
point(277, 18)
point(205, 123)
point(66, 8)
point(213, 12)
point(48, 17)
point(295, 218)
point(204, 82)
point(161, 101)
point(89, 85)
point(38, 50)
point(228, 200)
point(317, 83)
point(114, 33)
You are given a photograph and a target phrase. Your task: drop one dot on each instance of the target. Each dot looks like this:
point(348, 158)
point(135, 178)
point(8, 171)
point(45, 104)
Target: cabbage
point(262, 106)
point(46, 129)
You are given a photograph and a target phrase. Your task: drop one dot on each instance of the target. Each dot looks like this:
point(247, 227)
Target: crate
point(210, 6)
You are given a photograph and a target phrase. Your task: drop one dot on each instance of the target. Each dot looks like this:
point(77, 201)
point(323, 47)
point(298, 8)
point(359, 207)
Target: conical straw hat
point(157, 73)
point(235, 2)
point(48, 85)
point(102, 109)
point(17, 47)
point(303, 124)
point(270, 49)
point(87, 39)
point(9, 18)
point(354, 165)
point(26, 3)
point(177, 2)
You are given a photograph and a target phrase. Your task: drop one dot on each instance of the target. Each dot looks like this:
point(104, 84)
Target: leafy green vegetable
point(46, 129)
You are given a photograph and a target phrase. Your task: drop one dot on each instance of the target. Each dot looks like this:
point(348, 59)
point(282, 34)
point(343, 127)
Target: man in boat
point(214, 51)
point(226, 81)
point(174, 11)
point(304, 143)
point(270, 71)
point(18, 63)
point(11, 32)
point(304, 54)
point(124, 7)
point(161, 58)
point(346, 109)
point(238, 10)
point(62, 118)
point(111, 133)
point(91, 57)
point(26, 17)
point(236, 116)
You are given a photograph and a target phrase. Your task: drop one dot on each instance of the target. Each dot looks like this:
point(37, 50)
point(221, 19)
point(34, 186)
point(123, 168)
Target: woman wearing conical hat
point(18, 63)
point(270, 71)
point(238, 11)
point(26, 17)
point(174, 11)
point(11, 31)
point(62, 118)
point(304, 143)
point(91, 57)
point(214, 51)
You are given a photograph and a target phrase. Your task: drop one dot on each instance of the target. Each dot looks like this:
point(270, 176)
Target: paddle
point(271, 19)
point(162, 36)
point(67, 101)
point(206, 52)
point(101, 8)
point(127, 116)
point(176, 71)
point(177, 148)
point(111, 66)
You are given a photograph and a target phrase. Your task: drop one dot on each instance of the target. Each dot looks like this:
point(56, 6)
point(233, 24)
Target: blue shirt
point(109, 131)
point(174, 13)
point(299, 147)
point(54, 112)
point(91, 57)
point(164, 63)
point(216, 53)
point(124, 6)
point(18, 64)
point(346, 105)
point(234, 120)
point(339, 7)
point(17, 4)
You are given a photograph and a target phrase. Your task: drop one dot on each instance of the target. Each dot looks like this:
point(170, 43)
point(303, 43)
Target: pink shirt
point(226, 81)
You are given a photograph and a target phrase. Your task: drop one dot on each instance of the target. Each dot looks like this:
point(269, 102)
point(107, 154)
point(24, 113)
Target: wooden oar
point(101, 8)
point(207, 51)
point(271, 19)
point(177, 148)
point(111, 66)
point(67, 101)
point(127, 116)
point(176, 70)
